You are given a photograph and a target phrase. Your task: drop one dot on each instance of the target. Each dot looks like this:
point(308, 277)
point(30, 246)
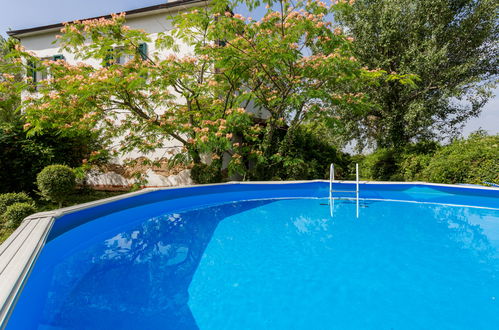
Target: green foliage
point(23, 157)
point(307, 157)
point(56, 182)
point(450, 45)
point(404, 164)
point(413, 160)
point(15, 214)
point(351, 170)
point(471, 160)
point(413, 165)
point(11, 198)
point(203, 173)
point(10, 81)
point(381, 165)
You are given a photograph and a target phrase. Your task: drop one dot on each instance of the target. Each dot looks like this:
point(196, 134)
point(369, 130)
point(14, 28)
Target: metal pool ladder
point(356, 191)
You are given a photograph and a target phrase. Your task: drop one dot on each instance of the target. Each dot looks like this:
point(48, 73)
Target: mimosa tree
point(241, 91)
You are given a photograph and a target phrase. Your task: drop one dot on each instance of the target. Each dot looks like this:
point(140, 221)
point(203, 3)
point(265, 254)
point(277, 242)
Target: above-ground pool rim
point(20, 251)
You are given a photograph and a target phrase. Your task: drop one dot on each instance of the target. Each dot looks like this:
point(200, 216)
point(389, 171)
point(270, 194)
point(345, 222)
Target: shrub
point(380, 165)
point(414, 160)
point(11, 198)
point(355, 159)
point(15, 214)
point(402, 164)
point(56, 182)
point(412, 166)
point(308, 155)
point(203, 173)
point(23, 157)
point(471, 160)
point(20, 159)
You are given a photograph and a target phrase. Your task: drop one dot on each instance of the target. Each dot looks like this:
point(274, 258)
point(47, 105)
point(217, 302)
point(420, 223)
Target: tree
point(451, 45)
point(56, 183)
point(284, 66)
point(10, 81)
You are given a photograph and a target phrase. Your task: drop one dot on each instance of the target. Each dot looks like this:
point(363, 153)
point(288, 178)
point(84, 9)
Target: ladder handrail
point(331, 179)
point(357, 178)
point(357, 187)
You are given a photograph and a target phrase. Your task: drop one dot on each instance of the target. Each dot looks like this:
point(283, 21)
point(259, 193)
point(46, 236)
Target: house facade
point(153, 20)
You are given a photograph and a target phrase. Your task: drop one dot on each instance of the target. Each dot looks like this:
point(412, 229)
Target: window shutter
point(58, 57)
point(143, 51)
point(32, 70)
point(109, 57)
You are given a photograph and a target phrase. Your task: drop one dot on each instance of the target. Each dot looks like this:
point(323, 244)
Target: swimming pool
point(271, 256)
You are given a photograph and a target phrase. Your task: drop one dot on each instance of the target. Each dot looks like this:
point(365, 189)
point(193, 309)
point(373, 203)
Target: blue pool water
point(270, 264)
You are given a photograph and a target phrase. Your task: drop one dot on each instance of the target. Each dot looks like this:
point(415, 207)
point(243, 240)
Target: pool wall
point(20, 251)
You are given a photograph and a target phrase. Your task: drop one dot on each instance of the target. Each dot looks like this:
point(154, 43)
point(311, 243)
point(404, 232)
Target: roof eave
point(130, 13)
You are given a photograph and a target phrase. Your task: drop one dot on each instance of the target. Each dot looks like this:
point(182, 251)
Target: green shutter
point(32, 70)
point(143, 51)
point(58, 57)
point(109, 57)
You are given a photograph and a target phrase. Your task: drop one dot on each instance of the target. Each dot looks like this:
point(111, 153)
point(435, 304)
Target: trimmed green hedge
point(11, 198)
point(15, 214)
point(56, 182)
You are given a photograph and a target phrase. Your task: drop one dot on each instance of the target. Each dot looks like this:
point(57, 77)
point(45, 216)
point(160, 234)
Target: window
point(143, 51)
point(117, 56)
point(42, 75)
point(32, 70)
point(38, 74)
point(122, 58)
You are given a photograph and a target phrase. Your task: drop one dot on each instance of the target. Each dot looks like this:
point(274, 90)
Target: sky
point(20, 14)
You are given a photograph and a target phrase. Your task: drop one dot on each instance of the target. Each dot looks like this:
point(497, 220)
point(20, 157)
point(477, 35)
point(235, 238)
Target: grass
point(5, 233)
point(79, 197)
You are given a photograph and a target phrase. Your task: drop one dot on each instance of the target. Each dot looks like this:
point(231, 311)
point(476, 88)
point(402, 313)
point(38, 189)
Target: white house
point(153, 20)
